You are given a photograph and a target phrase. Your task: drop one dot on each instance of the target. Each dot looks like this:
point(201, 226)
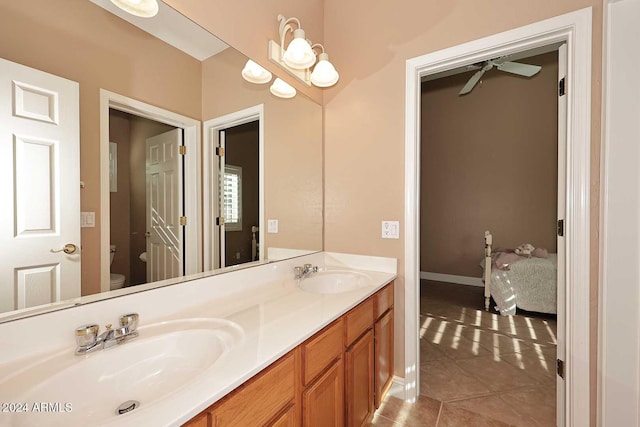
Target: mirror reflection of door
point(146, 203)
point(239, 186)
point(39, 154)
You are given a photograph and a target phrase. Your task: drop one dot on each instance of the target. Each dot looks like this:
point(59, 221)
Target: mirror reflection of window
point(232, 198)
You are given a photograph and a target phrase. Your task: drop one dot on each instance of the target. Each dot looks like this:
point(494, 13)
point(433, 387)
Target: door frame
point(191, 174)
point(574, 29)
point(210, 173)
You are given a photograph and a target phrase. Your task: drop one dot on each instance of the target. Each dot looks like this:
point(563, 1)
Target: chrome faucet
point(88, 340)
point(304, 271)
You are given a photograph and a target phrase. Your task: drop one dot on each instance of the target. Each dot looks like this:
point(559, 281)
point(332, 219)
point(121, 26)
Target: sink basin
point(164, 359)
point(334, 282)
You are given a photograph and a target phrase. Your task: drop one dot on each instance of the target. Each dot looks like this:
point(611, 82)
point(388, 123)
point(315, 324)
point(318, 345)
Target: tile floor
point(478, 368)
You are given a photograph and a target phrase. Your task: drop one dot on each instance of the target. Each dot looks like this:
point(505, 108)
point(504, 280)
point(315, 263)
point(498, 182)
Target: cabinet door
point(286, 419)
point(323, 401)
point(383, 355)
point(359, 377)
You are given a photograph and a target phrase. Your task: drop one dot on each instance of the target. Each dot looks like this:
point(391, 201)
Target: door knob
point(68, 249)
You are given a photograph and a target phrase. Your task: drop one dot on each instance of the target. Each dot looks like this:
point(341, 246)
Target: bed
point(530, 283)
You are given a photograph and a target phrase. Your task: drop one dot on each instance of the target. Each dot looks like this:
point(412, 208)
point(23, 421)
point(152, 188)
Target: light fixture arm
point(285, 25)
point(317, 45)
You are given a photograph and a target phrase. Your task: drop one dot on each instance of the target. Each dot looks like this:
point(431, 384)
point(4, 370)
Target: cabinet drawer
point(322, 349)
point(384, 300)
point(260, 399)
point(359, 320)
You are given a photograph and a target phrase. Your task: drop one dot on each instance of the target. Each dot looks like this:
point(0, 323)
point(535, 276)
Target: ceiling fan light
point(324, 74)
point(282, 89)
point(142, 8)
point(299, 54)
point(254, 73)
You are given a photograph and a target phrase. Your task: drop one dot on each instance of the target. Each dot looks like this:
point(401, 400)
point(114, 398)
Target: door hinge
point(183, 150)
point(561, 227)
point(219, 151)
point(219, 221)
point(183, 220)
point(561, 87)
point(560, 367)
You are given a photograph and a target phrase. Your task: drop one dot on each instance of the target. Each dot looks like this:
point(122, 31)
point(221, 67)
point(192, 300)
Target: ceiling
point(174, 29)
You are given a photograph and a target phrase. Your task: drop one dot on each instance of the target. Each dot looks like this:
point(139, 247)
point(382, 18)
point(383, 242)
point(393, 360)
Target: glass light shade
point(299, 54)
point(254, 73)
point(281, 89)
point(142, 8)
point(324, 74)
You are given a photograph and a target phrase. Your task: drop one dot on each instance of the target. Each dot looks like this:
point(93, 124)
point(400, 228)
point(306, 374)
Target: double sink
point(166, 358)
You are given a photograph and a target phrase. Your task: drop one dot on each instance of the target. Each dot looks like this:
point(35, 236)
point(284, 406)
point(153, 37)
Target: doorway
point(186, 133)
point(234, 189)
point(489, 161)
point(574, 29)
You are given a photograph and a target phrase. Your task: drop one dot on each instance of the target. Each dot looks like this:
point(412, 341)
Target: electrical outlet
point(272, 226)
point(390, 229)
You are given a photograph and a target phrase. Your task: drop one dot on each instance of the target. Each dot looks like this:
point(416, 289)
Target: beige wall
point(248, 25)
point(365, 114)
point(91, 46)
point(292, 146)
point(488, 162)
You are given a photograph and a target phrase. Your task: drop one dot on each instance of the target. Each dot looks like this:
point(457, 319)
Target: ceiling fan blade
point(472, 82)
point(519, 68)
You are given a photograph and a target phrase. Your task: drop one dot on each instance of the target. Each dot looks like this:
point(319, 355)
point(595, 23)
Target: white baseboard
point(450, 278)
point(397, 388)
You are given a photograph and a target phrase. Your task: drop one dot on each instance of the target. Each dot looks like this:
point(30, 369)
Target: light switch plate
point(272, 226)
point(390, 229)
point(87, 219)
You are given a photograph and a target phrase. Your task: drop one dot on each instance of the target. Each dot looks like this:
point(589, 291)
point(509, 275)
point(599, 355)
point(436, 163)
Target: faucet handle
point(130, 321)
point(86, 335)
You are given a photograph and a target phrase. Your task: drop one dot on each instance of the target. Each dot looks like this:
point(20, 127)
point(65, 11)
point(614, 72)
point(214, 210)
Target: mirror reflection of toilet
point(117, 280)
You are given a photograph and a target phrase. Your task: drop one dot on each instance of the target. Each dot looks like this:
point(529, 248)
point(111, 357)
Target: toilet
point(117, 280)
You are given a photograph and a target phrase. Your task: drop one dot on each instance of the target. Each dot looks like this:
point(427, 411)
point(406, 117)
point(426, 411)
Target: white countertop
point(274, 318)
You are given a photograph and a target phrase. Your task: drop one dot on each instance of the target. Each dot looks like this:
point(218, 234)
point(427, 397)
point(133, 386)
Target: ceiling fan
point(502, 65)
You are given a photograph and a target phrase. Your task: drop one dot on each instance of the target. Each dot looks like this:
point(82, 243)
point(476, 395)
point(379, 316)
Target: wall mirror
point(137, 96)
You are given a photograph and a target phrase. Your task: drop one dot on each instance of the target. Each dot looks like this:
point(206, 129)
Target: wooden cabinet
point(323, 401)
point(359, 380)
point(383, 356)
point(320, 350)
point(260, 399)
point(286, 419)
point(201, 420)
point(336, 377)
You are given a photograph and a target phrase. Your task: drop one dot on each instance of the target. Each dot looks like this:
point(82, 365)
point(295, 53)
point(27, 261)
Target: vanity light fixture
point(324, 74)
point(299, 57)
point(282, 89)
point(254, 73)
point(299, 54)
point(142, 8)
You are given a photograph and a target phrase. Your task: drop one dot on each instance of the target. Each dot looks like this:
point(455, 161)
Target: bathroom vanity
point(337, 377)
point(248, 347)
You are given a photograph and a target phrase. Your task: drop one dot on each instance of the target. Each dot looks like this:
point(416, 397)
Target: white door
point(164, 206)
point(40, 187)
point(562, 182)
